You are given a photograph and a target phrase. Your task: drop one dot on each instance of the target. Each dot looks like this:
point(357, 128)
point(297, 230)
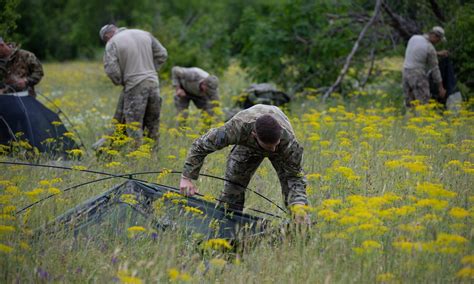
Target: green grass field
point(391, 193)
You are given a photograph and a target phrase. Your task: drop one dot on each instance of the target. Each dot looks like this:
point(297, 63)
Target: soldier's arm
point(433, 66)
point(176, 74)
point(160, 54)
point(111, 64)
point(215, 139)
point(35, 70)
point(294, 174)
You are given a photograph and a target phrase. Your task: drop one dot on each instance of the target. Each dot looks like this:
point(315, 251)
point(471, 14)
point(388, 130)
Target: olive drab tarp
point(135, 203)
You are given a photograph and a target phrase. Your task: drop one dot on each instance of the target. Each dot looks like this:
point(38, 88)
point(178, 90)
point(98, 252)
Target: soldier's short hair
point(268, 129)
point(211, 82)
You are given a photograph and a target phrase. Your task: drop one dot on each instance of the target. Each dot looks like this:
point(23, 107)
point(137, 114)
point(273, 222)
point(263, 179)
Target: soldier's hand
point(443, 53)
point(442, 92)
point(187, 187)
point(21, 83)
point(180, 93)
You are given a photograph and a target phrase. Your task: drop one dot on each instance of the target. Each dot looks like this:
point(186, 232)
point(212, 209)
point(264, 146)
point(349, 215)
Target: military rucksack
point(263, 93)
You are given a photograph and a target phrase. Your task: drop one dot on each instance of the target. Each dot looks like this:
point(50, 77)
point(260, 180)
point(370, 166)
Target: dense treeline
point(293, 43)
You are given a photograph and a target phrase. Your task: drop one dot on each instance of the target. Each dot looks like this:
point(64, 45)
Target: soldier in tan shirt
point(132, 58)
point(421, 60)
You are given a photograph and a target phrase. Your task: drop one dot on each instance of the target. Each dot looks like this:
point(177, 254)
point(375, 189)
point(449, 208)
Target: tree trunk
point(354, 50)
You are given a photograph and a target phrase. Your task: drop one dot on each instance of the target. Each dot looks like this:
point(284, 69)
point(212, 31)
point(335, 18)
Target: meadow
point(391, 192)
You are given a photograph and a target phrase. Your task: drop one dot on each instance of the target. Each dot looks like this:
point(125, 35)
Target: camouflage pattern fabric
point(189, 80)
point(204, 103)
point(247, 155)
point(415, 86)
point(141, 104)
point(21, 64)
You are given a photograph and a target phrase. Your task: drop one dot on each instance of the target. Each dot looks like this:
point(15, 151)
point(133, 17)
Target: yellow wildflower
point(6, 229)
point(125, 277)
point(79, 168)
point(434, 190)
point(35, 192)
point(216, 244)
point(468, 259)
point(13, 190)
point(433, 203)
point(313, 176)
point(54, 190)
point(458, 212)
point(385, 277)
point(466, 272)
point(136, 229)
point(5, 248)
point(328, 215)
point(113, 164)
point(329, 203)
point(193, 210)
point(76, 152)
point(175, 275)
point(129, 198)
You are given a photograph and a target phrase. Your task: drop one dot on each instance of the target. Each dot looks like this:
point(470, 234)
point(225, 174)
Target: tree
point(8, 17)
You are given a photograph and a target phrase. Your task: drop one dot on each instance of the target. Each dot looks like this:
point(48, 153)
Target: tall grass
point(391, 194)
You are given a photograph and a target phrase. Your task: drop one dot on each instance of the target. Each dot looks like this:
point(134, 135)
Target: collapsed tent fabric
point(25, 118)
point(160, 206)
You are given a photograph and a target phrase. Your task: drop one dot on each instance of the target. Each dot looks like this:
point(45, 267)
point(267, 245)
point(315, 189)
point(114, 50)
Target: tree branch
point(354, 50)
point(404, 27)
point(437, 11)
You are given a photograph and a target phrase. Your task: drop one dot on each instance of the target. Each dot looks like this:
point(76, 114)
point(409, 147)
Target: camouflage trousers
point(142, 105)
point(242, 164)
point(415, 86)
point(205, 103)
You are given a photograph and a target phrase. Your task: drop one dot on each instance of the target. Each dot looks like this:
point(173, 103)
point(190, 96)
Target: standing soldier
point(132, 58)
point(257, 132)
point(20, 70)
point(194, 84)
point(421, 60)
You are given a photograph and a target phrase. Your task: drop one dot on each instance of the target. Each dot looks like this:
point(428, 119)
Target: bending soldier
point(196, 85)
point(257, 132)
point(421, 60)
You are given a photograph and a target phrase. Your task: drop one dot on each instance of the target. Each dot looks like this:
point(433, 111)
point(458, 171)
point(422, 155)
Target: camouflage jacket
point(189, 80)
point(20, 64)
point(238, 131)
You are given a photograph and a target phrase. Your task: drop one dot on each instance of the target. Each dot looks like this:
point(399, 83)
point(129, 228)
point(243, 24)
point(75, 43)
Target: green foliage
point(461, 44)
point(8, 16)
point(300, 43)
point(295, 44)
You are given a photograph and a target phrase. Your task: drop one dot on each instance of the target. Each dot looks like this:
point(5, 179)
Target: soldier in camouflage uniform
point(132, 58)
point(420, 61)
point(20, 70)
point(257, 132)
point(196, 85)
